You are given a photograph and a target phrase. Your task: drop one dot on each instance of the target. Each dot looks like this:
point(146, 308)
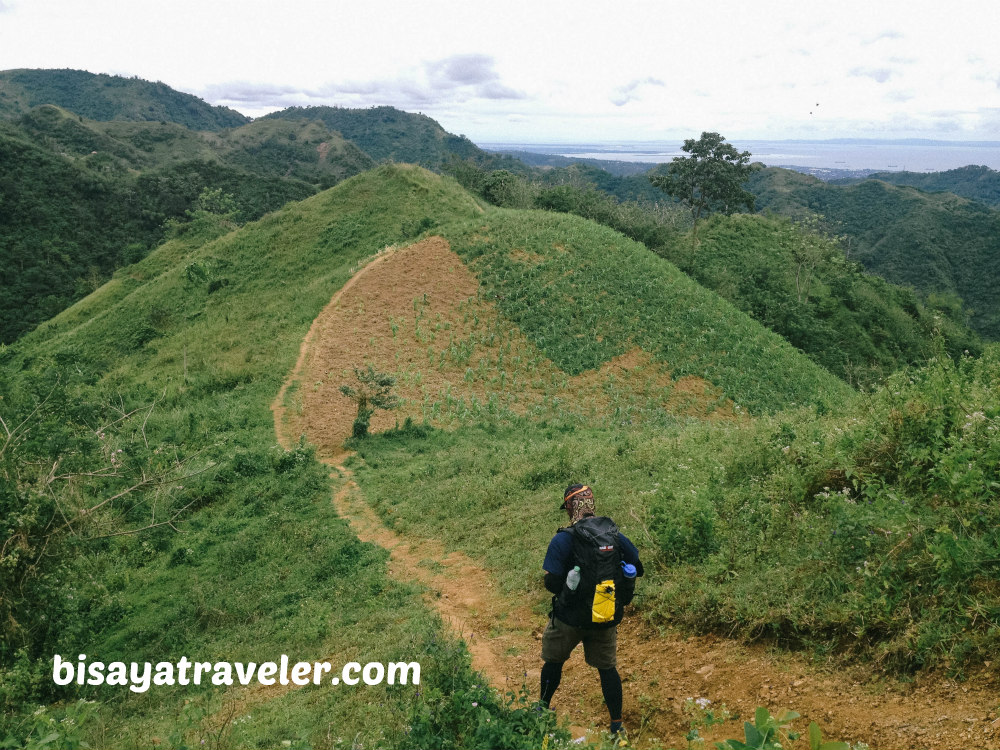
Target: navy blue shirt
point(560, 553)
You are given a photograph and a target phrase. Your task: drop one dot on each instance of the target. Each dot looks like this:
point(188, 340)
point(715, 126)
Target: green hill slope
point(64, 227)
point(798, 282)
point(299, 149)
point(103, 192)
point(939, 244)
point(389, 134)
point(199, 336)
point(976, 183)
point(790, 276)
point(104, 97)
point(586, 294)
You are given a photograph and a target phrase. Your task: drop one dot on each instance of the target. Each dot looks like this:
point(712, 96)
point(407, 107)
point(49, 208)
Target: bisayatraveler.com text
point(139, 677)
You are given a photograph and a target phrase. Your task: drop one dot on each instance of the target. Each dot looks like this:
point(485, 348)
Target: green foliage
point(373, 391)
point(767, 732)
point(57, 729)
point(869, 533)
point(104, 97)
point(816, 740)
point(878, 536)
point(656, 225)
point(69, 470)
point(265, 565)
point(503, 188)
point(61, 223)
point(934, 243)
point(977, 183)
point(460, 710)
point(74, 215)
point(796, 280)
point(710, 179)
point(171, 192)
point(791, 276)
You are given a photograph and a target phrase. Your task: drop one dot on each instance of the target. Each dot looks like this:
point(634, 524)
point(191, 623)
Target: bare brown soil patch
point(415, 312)
point(425, 289)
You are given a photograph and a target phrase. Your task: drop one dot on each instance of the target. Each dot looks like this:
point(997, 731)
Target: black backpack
point(603, 592)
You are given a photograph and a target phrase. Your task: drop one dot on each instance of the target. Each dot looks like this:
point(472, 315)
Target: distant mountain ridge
point(978, 183)
point(390, 134)
point(82, 198)
point(936, 243)
point(97, 96)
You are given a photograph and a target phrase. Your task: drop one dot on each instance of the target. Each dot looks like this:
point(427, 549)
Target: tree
point(710, 179)
point(374, 391)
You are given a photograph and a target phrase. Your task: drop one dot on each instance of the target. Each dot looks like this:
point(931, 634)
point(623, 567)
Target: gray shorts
point(600, 645)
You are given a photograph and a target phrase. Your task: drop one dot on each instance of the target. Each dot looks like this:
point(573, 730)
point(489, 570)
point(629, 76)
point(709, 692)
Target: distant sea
point(841, 154)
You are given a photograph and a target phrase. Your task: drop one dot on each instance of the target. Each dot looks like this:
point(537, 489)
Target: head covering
point(578, 500)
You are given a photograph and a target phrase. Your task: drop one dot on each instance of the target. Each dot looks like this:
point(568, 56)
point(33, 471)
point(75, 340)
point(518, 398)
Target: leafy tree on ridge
point(710, 179)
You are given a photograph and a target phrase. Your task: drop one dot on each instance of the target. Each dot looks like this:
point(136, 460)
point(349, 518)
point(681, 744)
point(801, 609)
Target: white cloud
point(889, 35)
point(457, 79)
point(631, 91)
point(879, 75)
point(567, 70)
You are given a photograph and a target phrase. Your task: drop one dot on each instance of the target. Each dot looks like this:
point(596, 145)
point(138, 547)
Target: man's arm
point(556, 561)
point(553, 582)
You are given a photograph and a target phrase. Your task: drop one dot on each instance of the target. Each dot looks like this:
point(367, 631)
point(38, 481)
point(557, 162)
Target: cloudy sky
point(552, 71)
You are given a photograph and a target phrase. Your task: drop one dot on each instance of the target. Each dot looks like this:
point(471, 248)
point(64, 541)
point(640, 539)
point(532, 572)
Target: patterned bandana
point(579, 501)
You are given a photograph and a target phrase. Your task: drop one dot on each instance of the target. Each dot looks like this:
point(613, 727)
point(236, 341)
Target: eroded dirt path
point(660, 670)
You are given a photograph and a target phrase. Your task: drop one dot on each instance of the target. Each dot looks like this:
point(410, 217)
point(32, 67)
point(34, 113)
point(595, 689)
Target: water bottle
point(573, 578)
point(628, 569)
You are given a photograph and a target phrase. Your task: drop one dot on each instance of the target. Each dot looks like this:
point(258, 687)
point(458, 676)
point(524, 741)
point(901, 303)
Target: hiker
point(592, 611)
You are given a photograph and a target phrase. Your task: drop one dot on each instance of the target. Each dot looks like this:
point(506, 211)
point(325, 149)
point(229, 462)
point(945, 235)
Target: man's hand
point(554, 583)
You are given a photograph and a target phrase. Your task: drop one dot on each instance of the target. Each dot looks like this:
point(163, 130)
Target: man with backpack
point(590, 568)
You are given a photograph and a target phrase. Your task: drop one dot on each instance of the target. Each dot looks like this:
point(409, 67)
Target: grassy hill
point(151, 398)
point(155, 151)
point(202, 332)
point(798, 282)
point(937, 243)
point(303, 149)
point(104, 97)
point(791, 276)
point(64, 227)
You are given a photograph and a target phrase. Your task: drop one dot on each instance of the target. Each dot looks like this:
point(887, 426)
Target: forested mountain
point(944, 246)
point(105, 97)
point(977, 183)
point(389, 134)
point(81, 198)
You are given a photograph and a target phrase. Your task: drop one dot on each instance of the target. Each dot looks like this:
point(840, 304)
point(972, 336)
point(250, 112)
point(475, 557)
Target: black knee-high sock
point(611, 686)
point(551, 675)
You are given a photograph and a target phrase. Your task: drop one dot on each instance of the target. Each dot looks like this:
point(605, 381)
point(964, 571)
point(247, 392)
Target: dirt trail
point(660, 670)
